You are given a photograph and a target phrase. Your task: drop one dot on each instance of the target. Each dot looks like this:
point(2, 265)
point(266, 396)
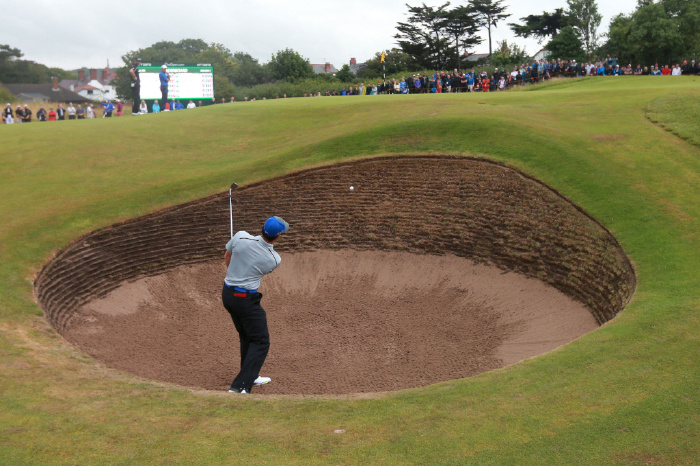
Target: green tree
point(655, 34)
point(221, 59)
point(344, 74)
point(663, 32)
point(541, 26)
point(462, 24)
point(619, 43)
point(287, 64)
point(566, 45)
point(424, 36)
point(687, 14)
point(13, 69)
point(396, 61)
point(490, 13)
point(248, 71)
point(508, 55)
point(584, 17)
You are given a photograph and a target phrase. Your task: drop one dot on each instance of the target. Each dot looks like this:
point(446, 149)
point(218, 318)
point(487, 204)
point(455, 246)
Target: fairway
point(624, 393)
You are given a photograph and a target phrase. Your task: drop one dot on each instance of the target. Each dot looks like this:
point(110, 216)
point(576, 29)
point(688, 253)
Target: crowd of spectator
point(502, 79)
point(438, 82)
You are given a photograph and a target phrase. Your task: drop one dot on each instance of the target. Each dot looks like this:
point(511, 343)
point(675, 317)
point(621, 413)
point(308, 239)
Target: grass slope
point(627, 393)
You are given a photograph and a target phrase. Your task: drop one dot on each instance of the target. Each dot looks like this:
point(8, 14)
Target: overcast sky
point(76, 33)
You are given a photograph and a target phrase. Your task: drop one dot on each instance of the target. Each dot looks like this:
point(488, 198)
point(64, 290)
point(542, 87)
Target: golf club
point(230, 204)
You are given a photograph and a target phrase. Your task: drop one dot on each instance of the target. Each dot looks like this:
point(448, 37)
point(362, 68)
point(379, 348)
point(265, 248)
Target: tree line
point(663, 31)
point(14, 69)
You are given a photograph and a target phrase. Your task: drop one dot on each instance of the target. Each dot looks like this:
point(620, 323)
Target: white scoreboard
point(187, 81)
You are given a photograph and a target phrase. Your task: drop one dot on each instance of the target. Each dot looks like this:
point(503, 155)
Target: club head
point(234, 186)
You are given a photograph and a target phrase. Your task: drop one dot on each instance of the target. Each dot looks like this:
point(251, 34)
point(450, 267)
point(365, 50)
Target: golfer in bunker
point(248, 258)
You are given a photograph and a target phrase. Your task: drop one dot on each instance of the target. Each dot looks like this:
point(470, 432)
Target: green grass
point(679, 113)
point(626, 393)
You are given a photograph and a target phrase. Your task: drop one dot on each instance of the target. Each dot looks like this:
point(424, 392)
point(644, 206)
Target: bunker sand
point(340, 322)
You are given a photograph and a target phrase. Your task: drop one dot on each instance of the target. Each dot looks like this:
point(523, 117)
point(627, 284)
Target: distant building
point(44, 93)
point(92, 87)
point(356, 67)
point(474, 57)
point(542, 54)
point(327, 68)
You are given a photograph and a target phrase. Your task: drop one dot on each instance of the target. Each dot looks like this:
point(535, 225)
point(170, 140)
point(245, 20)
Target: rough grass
point(678, 113)
point(626, 393)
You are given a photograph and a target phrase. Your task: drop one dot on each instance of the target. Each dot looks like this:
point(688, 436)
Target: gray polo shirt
point(251, 258)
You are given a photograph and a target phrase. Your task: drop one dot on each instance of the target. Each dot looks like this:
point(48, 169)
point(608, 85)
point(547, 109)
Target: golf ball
point(351, 188)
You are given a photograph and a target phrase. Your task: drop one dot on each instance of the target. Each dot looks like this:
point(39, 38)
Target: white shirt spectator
point(676, 71)
point(191, 105)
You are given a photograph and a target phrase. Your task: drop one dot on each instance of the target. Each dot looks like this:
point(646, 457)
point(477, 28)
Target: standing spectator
point(144, 108)
point(135, 86)
point(164, 80)
point(191, 104)
point(90, 112)
point(108, 109)
point(155, 107)
point(502, 84)
point(60, 113)
point(19, 115)
point(41, 114)
point(7, 114)
point(232, 100)
point(666, 71)
point(199, 103)
point(417, 84)
point(485, 84)
point(179, 106)
point(52, 114)
point(71, 111)
point(27, 114)
point(167, 107)
point(470, 82)
point(223, 101)
point(676, 71)
point(80, 112)
point(120, 108)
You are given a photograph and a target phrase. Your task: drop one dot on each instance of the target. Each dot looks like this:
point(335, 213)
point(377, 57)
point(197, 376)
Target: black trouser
point(164, 93)
point(136, 96)
point(251, 323)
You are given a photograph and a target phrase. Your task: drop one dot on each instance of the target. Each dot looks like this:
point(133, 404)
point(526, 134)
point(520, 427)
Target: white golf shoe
point(262, 380)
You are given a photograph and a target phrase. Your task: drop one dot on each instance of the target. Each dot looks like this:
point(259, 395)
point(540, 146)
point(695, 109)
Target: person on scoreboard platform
point(135, 87)
point(164, 80)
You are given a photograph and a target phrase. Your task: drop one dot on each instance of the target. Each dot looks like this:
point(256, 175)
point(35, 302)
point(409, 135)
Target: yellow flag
point(383, 57)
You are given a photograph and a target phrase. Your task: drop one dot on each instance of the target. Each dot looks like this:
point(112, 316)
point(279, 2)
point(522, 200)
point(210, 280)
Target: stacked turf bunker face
point(436, 205)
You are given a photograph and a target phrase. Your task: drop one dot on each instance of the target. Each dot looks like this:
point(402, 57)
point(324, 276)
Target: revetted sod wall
point(471, 208)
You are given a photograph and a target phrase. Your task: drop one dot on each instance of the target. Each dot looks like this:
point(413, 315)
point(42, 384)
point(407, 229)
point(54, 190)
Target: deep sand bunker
point(431, 269)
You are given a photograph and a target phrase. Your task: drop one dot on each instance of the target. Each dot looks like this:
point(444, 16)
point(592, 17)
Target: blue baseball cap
point(275, 226)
